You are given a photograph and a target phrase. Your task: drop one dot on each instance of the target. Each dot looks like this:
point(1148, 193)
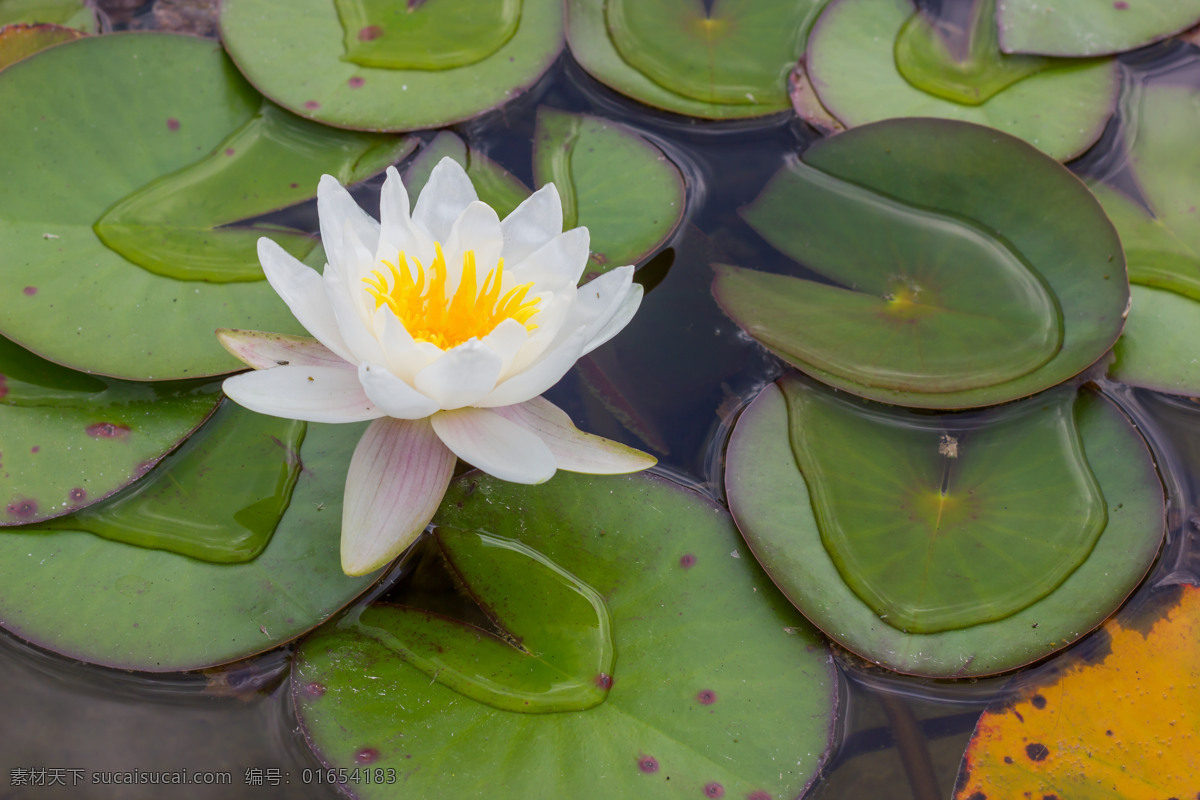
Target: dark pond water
point(672, 383)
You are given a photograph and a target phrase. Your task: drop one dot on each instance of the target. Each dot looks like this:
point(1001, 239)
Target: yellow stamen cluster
point(429, 316)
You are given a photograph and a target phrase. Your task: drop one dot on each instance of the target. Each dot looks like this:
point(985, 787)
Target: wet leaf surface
point(78, 14)
point(426, 35)
point(20, 41)
point(1080, 28)
point(741, 707)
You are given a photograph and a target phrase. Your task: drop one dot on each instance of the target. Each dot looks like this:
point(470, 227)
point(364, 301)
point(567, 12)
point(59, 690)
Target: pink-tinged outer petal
point(619, 318)
point(445, 196)
point(397, 477)
point(263, 350)
point(558, 262)
point(465, 374)
point(539, 377)
point(533, 223)
point(499, 447)
point(303, 290)
point(310, 393)
point(337, 209)
point(393, 396)
point(574, 450)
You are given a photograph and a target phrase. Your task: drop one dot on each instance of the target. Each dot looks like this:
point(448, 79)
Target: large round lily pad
point(69, 440)
point(294, 51)
point(718, 688)
point(954, 285)
point(999, 536)
point(691, 59)
point(132, 607)
point(852, 64)
point(164, 178)
point(1083, 28)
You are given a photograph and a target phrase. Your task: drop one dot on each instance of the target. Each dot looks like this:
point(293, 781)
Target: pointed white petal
point(397, 477)
point(499, 447)
point(532, 224)
point(337, 209)
point(599, 301)
point(465, 374)
point(310, 393)
point(263, 350)
point(447, 193)
point(476, 229)
point(405, 356)
point(600, 333)
point(557, 263)
point(551, 321)
point(393, 396)
point(506, 340)
point(398, 234)
point(303, 290)
point(547, 371)
point(574, 450)
point(354, 312)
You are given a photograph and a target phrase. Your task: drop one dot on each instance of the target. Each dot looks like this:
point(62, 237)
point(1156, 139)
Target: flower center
point(472, 313)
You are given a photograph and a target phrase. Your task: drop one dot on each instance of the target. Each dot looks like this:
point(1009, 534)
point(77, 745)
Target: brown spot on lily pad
point(367, 755)
point(107, 430)
point(369, 33)
point(1120, 5)
point(706, 697)
point(172, 124)
point(22, 508)
point(648, 764)
point(686, 561)
point(604, 680)
point(30, 291)
point(78, 494)
point(714, 789)
point(1038, 701)
point(355, 82)
point(312, 105)
point(1037, 751)
point(314, 689)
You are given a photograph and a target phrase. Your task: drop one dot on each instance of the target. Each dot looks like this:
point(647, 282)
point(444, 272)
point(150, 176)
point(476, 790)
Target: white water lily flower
point(443, 326)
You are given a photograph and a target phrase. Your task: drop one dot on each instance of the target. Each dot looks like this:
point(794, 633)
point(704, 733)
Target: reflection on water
point(671, 383)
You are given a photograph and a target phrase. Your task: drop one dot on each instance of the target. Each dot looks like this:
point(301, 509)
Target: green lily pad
point(629, 212)
point(552, 633)
point(69, 440)
point(79, 14)
point(67, 296)
point(1081, 28)
point(773, 495)
point(424, 35)
point(593, 47)
point(20, 41)
point(851, 62)
point(1158, 348)
point(953, 288)
point(130, 607)
point(218, 498)
point(183, 225)
point(294, 53)
point(741, 706)
point(729, 52)
point(496, 186)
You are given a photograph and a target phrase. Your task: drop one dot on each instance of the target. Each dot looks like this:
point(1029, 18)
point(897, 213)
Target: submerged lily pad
point(629, 212)
point(73, 300)
point(79, 14)
point(743, 706)
point(295, 53)
point(728, 61)
point(1161, 237)
point(1084, 28)
point(130, 607)
point(953, 288)
point(68, 440)
point(852, 64)
point(21, 41)
point(424, 35)
point(995, 538)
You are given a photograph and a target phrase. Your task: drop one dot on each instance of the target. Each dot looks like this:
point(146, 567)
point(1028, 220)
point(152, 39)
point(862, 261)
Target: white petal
point(574, 450)
point(447, 193)
point(303, 289)
point(599, 301)
point(476, 229)
point(486, 440)
point(539, 377)
point(557, 263)
point(398, 233)
point(397, 477)
point(393, 396)
point(405, 356)
point(599, 334)
point(354, 309)
point(465, 374)
point(337, 209)
point(551, 320)
point(532, 224)
point(506, 340)
point(313, 394)
point(263, 350)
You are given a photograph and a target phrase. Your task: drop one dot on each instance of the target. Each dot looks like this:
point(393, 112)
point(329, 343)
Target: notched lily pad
point(741, 707)
point(67, 296)
point(436, 68)
point(629, 212)
point(952, 545)
point(949, 290)
point(152, 610)
point(870, 60)
point(1083, 28)
point(68, 440)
